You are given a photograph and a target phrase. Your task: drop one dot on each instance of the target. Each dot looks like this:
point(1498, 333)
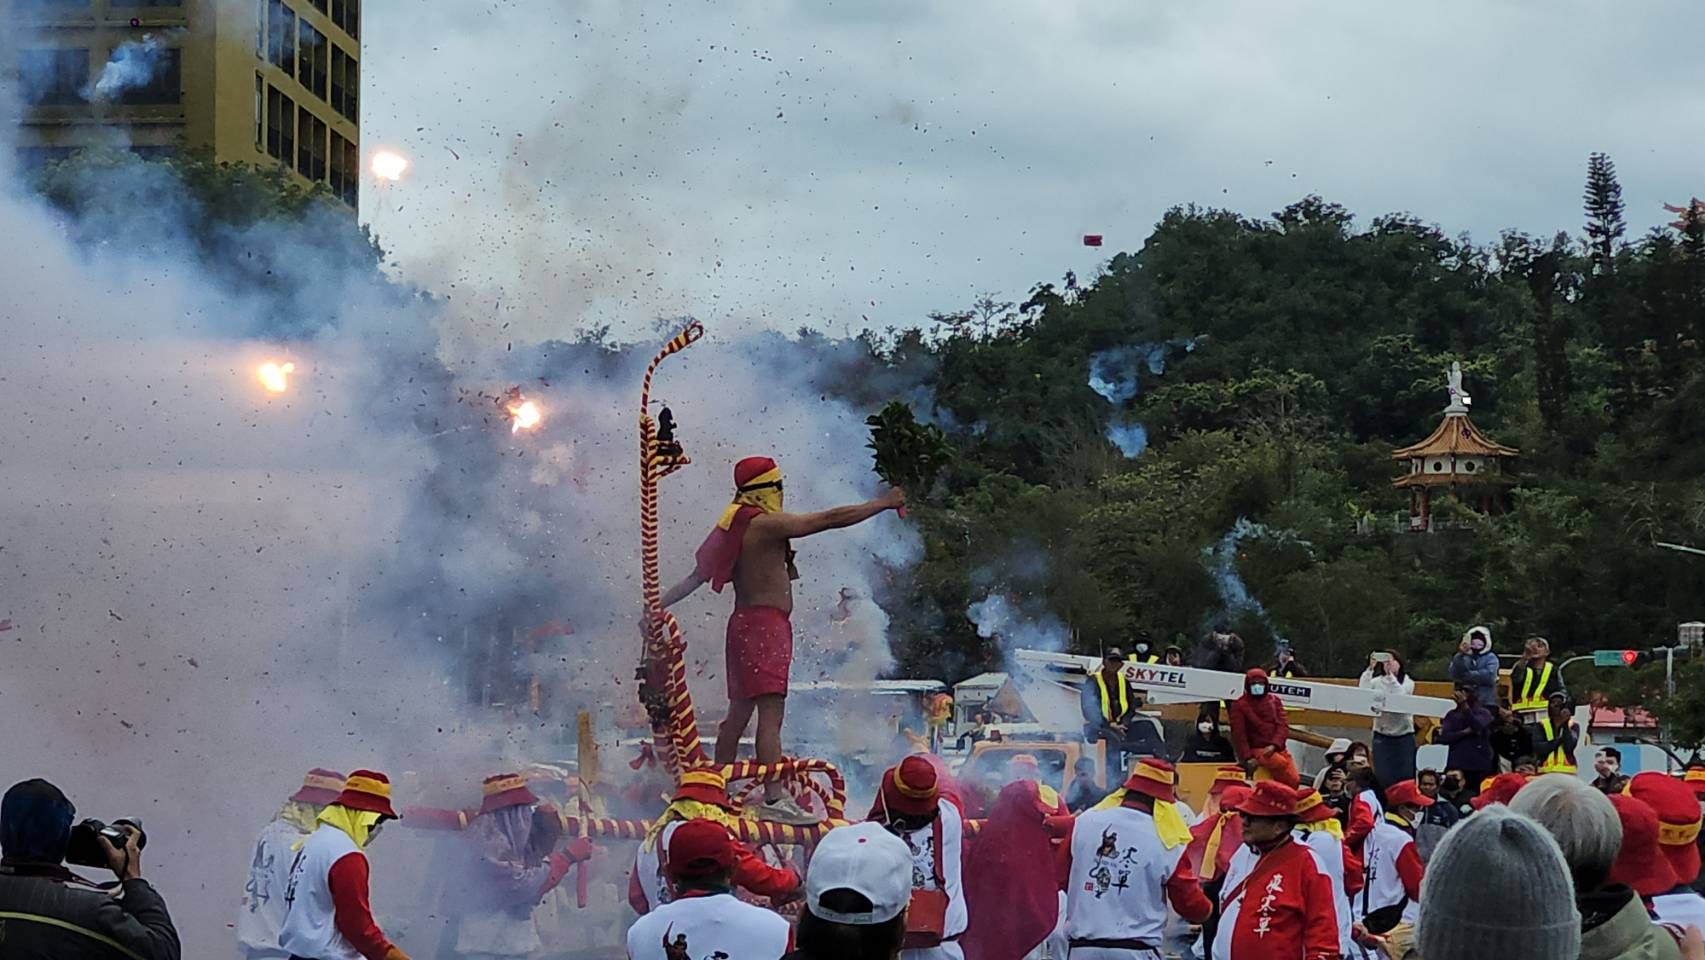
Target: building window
point(165, 84)
point(346, 16)
point(346, 79)
point(261, 12)
point(311, 147)
point(55, 76)
point(280, 125)
point(345, 170)
point(34, 158)
point(314, 58)
point(260, 113)
point(47, 4)
point(281, 36)
point(320, 5)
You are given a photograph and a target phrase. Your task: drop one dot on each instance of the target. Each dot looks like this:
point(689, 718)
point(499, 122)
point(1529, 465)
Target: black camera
point(85, 849)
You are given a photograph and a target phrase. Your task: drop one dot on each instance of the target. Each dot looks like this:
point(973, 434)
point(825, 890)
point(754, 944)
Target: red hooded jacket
point(1257, 721)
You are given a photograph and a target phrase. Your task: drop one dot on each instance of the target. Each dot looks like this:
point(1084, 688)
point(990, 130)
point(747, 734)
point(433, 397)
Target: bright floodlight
point(388, 165)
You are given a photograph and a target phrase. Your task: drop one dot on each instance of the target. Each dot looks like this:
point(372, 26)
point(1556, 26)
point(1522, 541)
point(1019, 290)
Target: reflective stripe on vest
point(1559, 761)
point(1533, 696)
point(1106, 705)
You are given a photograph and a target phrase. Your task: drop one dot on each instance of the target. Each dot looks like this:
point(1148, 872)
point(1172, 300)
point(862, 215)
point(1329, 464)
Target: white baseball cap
point(866, 859)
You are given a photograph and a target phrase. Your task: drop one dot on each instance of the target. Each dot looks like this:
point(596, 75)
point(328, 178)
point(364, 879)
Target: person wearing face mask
point(1474, 665)
point(1467, 733)
point(1277, 903)
point(1259, 732)
point(1207, 744)
point(1143, 650)
point(909, 806)
point(327, 916)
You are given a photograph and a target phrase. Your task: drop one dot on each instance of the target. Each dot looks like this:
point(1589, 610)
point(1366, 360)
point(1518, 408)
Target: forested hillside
point(1204, 433)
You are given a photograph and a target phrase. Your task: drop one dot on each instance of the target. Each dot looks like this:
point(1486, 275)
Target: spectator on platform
point(1393, 732)
point(1476, 666)
point(1467, 731)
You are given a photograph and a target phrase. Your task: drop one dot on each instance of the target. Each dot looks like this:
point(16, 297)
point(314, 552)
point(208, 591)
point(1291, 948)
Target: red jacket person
point(1282, 908)
point(328, 917)
point(751, 548)
point(1259, 731)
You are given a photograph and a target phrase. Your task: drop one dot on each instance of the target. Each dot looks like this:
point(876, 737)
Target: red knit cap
point(319, 787)
point(1152, 778)
point(751, 468)
point(367, 790)
point(910, 789)
point(505, 790)
point(1269, 798)
point(1640, 863)
point(1678, 819)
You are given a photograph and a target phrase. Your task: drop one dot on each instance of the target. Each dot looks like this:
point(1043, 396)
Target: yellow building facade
point(258, 81)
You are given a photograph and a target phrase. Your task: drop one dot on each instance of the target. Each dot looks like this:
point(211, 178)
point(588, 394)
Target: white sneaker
point(787, 811)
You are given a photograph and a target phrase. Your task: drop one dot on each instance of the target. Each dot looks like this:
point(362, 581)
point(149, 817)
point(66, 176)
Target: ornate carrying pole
point(663, 672)
point(663, 669)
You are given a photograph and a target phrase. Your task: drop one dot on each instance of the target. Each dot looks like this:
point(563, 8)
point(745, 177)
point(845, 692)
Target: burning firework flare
point(274, 376)
point(525, 415)
point(389, 166)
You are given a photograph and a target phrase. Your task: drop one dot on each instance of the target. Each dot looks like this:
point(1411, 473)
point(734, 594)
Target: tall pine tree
point(1603, 199)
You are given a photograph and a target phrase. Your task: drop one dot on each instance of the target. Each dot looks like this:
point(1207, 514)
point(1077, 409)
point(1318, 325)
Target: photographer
point(51, 912)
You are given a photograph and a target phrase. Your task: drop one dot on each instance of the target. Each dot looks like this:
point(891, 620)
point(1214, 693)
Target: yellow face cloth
point(767, 499)
point(303, 816)
point(357, 823)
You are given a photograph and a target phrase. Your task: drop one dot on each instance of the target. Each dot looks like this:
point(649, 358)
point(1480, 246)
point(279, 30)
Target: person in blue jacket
point(1475, 665)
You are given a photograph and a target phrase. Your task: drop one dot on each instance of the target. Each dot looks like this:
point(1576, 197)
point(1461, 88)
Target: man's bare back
point(763, 576)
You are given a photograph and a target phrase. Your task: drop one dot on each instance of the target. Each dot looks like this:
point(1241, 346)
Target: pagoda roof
point(1456, 436)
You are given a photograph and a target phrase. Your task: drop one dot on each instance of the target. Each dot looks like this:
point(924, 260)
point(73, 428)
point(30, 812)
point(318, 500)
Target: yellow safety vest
point(1151, 658)
point(1560, 760)
point(1106, 704)
point(1533, 694)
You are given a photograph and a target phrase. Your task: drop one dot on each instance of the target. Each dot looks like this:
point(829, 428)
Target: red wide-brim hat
point(1503, 789)
point(1678, 819)
point(505, 790)
point(367, 790)
point(319, 787)
point(1153, 778)
point(1640, 863)
point(1312, 808)
point(1269, 798)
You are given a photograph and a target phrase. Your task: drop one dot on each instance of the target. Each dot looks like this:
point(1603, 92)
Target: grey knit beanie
point(1497, 886)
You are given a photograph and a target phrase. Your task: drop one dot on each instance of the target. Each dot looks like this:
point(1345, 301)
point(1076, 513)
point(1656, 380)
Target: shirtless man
point(750, 548)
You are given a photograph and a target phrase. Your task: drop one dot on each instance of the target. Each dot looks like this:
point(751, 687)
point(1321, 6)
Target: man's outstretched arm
point(791, 526)
point(684, 589)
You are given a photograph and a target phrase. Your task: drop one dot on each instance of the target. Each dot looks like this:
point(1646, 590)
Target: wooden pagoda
point(1459, 459)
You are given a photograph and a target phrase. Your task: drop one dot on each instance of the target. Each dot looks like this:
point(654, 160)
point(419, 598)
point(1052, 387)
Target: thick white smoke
point(211, 588)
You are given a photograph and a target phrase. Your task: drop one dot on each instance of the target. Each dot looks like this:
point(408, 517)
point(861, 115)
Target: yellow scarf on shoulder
point(1331, 826)
point(1168, 822)
point(686, 810)
point(768, 499)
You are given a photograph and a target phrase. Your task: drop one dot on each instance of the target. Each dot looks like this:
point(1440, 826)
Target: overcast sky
point(762, 162)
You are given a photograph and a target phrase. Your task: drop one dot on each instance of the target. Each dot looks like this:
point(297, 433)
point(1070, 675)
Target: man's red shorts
point(760, 651)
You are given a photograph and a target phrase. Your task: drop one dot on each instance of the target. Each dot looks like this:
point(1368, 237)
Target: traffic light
point(1621, 658)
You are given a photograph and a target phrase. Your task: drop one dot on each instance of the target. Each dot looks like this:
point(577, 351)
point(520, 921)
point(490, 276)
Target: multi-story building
point(258, 81)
